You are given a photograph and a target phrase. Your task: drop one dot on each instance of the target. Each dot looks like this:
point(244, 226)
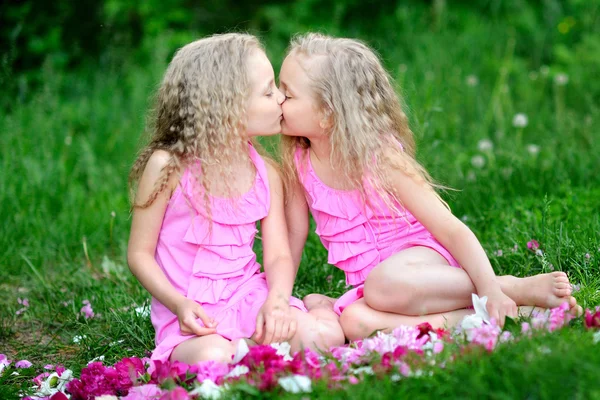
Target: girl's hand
point(274, 323)
point(187, 312)
point(500, 306)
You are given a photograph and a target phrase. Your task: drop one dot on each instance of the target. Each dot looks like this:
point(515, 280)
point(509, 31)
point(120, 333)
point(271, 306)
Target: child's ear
point(326, 121)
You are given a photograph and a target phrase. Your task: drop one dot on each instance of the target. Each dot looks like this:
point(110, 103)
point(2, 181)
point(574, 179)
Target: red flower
point(424, 329)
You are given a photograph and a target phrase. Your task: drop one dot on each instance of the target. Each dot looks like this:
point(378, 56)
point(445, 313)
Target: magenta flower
point(592, 320)
point(59, 396)
point(533, 245)
point(23, 364)
point(23, 302)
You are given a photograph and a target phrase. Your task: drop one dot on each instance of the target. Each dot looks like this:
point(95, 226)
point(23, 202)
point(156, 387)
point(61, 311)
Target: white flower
point(561, 79)
point(480, 306)
point(480, 317)
point(472, 80)
point(238, 371)
point(478, 161)
point(208, 389)
point(78, 338)
point(99, 358)
point(240, 351)
point(520, 120)
point(533, 149)
point(106, 397)
point(485, 144)
point(296, 384)
point(364, 370)
point(143, 311)
point(596, 337)
point(55, 383)
point(283, 349)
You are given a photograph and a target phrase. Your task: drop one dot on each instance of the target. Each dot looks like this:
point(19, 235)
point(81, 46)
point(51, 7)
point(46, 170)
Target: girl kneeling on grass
point(348, 156)
point(201, 188)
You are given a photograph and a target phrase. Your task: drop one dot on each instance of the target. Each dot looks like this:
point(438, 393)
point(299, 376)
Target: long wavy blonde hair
point(354, 92)
point(199, 113)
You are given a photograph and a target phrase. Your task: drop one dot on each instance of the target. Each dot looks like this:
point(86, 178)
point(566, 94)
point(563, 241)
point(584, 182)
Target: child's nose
point(280, 96)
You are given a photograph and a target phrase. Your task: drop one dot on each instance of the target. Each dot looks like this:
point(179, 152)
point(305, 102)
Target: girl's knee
point(197, 350)
point(221, 353)
point(387, 293)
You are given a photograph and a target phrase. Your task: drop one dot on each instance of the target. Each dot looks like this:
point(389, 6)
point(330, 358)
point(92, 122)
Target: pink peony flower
point(486, 335)
point(23, 364)
point(40, 378)
point(144, 392)
point(212, 370)
point(178, 393)
point(559, 317)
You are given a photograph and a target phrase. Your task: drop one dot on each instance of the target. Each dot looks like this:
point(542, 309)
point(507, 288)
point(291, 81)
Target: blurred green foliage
point(64, 35)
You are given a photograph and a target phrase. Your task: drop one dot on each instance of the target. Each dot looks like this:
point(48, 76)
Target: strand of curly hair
point(354, 92)
point(199, 113)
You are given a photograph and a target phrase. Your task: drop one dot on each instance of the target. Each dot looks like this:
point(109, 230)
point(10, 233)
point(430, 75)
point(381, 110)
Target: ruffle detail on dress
point(209, 290)
point(250, 207)
point(333, 203)
point(223, 252)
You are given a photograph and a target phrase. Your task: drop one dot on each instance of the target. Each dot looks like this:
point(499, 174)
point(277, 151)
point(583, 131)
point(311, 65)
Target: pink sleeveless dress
point(358, 238)
point(218, 270)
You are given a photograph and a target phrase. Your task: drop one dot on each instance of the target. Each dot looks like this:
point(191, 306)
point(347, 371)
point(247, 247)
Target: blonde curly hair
point(355, 95)
point(199, 113)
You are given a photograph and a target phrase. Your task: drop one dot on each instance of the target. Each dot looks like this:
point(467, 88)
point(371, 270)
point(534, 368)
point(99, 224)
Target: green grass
point(65, 155)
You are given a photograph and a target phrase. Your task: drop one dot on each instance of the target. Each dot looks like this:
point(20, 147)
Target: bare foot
point(315, 300)
point(543, 290)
